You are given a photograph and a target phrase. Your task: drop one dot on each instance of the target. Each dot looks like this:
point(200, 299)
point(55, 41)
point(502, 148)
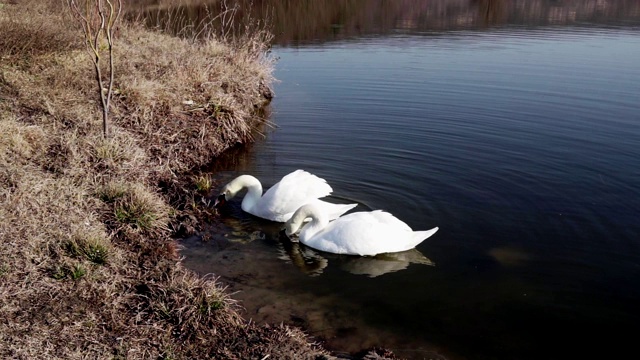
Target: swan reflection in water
point(313, 263)
point(244, 229)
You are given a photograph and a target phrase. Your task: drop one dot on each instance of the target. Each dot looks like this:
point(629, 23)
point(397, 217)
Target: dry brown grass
point(186, 106)
point(88, 265)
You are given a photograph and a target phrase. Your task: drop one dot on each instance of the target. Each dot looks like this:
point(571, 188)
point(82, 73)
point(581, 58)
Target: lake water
point(512, 126)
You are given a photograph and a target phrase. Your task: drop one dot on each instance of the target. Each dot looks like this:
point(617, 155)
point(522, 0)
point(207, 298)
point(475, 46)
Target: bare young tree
point(98, 19)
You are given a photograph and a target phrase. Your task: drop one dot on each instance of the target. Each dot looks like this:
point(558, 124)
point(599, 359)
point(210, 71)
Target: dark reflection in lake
point(296, 22)
point(514, 126)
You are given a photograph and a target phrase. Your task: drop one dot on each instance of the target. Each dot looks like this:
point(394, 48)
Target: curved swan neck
point(319, 220)
point(254, 190)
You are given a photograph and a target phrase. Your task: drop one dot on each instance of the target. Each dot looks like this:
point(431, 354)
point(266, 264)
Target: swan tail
point(420, 236)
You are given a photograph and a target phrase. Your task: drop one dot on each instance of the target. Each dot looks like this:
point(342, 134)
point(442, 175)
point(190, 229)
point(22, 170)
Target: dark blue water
point(522, 145)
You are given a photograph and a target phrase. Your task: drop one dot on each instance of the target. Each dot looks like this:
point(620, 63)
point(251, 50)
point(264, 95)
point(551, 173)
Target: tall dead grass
point(88, 265)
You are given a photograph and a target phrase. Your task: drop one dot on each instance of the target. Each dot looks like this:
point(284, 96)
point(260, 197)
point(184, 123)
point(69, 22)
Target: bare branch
point(98, 21)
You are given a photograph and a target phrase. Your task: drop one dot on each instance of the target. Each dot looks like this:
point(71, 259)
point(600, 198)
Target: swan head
point(307, 216)
point(230, 190)
point(220, 200)
point(225, 194)
point(295, 223)
point(291, 228)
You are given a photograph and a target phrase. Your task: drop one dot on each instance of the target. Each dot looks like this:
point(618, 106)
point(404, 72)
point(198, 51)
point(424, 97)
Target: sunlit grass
point(108, 150)
point(67, 271)
point(77, 272)
point(203, 183)
point(141, 210)
point(94, 249)
point(211, 305)
point(136, 214)
point(111, 192)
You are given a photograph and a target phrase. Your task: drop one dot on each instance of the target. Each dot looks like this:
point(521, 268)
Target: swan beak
point(291, 236)
point(220, 200)
point(284, 232)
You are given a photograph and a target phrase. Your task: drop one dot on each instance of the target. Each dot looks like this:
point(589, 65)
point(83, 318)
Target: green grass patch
point(92, 248)
point(140, 210)
point(97, 254)
point(211, 303)
point(136, 214)
point(59, 273)
point(77, 272)
point(110, 151)
point(211, 306)
point(203, 184)
point(4, 270)
point(66, 271)
point(112, 192)
point(168, 354)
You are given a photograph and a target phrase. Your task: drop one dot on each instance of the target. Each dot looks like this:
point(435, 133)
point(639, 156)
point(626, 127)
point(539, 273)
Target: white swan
point(360, 233)
point(282, 199)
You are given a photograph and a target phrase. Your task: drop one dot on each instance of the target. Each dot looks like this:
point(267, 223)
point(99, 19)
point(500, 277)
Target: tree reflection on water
point(299, 22)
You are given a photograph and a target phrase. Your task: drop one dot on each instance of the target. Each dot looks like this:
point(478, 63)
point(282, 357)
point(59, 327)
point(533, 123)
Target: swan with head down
point(364, 233)
point(282, 199)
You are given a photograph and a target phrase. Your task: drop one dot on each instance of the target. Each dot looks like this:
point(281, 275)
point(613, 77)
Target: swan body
point(282, 199)
point(365, 233)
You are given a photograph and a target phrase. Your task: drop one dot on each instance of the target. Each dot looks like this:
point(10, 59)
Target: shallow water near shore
point(521, 142)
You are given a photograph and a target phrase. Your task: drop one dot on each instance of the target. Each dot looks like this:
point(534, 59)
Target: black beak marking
point(220, 200)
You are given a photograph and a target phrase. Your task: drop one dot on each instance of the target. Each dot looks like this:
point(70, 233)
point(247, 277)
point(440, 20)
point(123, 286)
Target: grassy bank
point(88, 261)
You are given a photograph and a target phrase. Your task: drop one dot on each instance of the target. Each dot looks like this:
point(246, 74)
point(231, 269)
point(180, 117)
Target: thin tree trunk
point(105, 105)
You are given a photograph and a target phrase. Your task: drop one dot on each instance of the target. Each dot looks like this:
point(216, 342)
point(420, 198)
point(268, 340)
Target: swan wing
point(359, 233)
point(304, 181)
point(386, 219)
point(291, 192)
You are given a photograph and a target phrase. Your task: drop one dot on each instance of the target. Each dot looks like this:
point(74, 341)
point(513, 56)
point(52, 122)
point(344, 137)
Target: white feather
point(359, 233)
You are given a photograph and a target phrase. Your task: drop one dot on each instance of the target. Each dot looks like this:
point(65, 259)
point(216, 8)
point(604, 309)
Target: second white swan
point(359, 233)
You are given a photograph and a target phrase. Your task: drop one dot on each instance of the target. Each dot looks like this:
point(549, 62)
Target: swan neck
point(319, 221)
point(254, 192)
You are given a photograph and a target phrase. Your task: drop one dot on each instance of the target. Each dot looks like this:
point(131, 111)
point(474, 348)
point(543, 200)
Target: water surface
point(520, 141)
